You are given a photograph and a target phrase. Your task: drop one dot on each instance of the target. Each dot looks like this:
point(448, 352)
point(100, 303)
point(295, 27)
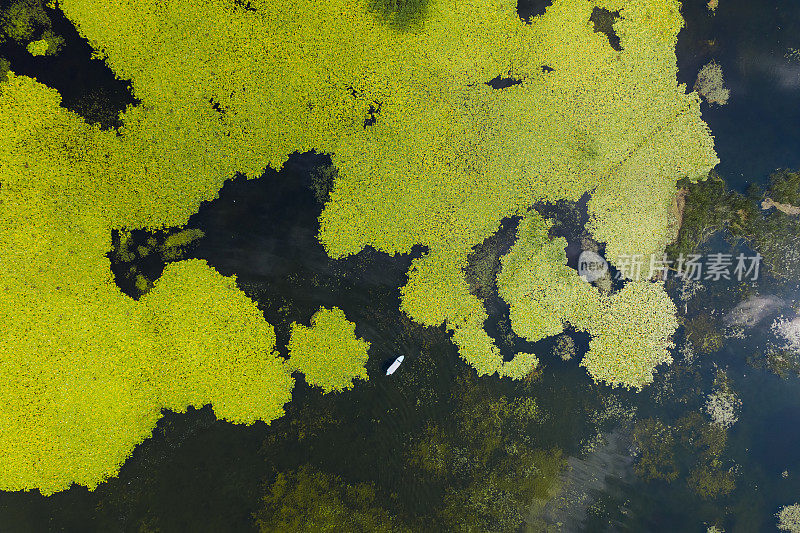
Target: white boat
point(395, 365)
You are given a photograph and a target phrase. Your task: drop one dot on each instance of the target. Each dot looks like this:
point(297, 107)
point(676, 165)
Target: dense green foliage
point(213, 346)
point(401, 14)
point(22, 19)
point(451, 199)
point(394, 189)
point(328, 353)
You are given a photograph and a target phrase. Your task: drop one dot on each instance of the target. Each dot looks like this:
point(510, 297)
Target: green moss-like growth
point(446, 159)
point(138, 257)
point(322, 180)
point(400, 14)
point(328, 353)
point(631, 329)
point(38, 48)
point(631, 335)
point(80, 350)
point(214, 346)
point(22, 19)
point(520, 367)
point(565, 347)
point(182, 239)
point(310, 500)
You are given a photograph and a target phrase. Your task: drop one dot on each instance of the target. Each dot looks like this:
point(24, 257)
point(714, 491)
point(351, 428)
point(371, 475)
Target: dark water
point(756, 131)
point(200, 474)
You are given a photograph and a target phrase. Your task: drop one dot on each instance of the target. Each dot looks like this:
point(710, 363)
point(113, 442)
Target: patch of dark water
point(528, 9)
point(756, 131)
point(87, 86)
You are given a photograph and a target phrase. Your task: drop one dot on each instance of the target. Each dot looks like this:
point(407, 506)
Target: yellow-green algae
point(38, 48)
point(448, 157)
point(328, 353)
point(85, 370)
point(630, 329)
point(21, 19)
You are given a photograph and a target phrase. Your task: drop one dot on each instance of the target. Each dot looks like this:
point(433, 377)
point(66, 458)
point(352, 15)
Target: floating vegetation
point(789, 518)
point(441, 164)
point(139, 257)
point(631, 329)
point(711, 85)
point(112, 364)
point(328, 353)
point(722, 404)
point(564, 347)
point(22, 20)
point(400, 14)
point(322, 180)
point(788, 331)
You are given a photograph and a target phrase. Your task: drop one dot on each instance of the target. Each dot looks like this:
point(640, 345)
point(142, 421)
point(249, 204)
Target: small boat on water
point(395, 365)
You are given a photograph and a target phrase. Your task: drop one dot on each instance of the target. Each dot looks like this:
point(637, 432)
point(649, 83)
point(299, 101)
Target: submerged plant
point(487, 467)
point(759, 218)
point(705, 334)
point(311, 500)
point(692, 447)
